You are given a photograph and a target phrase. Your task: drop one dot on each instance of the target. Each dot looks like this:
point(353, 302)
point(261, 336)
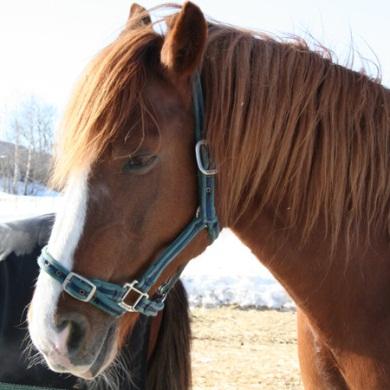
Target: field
point(244, 349)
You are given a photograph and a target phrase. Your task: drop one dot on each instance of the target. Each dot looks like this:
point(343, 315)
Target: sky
point(45, 44)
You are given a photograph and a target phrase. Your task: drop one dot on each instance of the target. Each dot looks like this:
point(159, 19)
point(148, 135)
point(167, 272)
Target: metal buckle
point(67, 281)
point(130, 288)
point(199, 161)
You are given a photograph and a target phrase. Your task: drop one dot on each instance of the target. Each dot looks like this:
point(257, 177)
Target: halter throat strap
point(134, 296)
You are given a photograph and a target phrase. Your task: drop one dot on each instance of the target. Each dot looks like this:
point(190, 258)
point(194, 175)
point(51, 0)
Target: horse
point(290, 151)
point(150, 341)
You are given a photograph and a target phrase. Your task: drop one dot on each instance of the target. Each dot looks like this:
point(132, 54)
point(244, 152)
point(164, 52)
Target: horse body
point(17, 278)
point(302, 150)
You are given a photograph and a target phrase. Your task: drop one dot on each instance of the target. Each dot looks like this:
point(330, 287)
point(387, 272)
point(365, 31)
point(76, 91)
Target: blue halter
point(116, 299)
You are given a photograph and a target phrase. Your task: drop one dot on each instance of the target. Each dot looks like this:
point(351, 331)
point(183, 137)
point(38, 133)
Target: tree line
point(25, 153)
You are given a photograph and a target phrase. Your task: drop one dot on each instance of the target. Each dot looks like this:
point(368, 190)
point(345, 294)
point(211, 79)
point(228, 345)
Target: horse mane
point(289, 129)
point(170, 365)
point(100, 106)
point(293, 131)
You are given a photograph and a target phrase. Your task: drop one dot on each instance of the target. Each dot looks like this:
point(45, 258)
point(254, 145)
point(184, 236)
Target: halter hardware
point(131, 289)
point(113, 298)
point(199, 158)
point(88, 294)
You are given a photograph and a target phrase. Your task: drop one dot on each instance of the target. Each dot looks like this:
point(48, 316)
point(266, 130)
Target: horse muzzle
point(71, 345)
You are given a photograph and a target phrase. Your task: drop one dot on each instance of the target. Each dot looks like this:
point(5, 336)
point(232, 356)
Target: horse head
point(127, 165)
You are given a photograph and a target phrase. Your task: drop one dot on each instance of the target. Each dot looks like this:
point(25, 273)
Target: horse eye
point(139, 163)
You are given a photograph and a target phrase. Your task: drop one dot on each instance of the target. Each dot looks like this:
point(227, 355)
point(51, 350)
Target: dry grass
point(236, 349)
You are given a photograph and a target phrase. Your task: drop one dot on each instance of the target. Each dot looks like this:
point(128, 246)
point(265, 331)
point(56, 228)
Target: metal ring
point(199, 161)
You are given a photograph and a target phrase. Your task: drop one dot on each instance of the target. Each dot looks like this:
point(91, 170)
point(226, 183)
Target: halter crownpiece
point(117, 299)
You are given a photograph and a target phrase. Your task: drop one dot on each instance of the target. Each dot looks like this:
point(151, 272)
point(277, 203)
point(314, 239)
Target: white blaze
point(66, 233)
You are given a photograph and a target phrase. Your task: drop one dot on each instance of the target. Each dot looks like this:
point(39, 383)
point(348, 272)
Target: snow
point(33, 188)
point(19, 207)
point(227, 273)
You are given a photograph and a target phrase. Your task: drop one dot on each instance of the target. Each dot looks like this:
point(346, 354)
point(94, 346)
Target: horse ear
point(138, 17)
point(185, 42)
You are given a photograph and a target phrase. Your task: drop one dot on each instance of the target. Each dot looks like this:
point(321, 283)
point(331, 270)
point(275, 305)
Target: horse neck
point(326, 286)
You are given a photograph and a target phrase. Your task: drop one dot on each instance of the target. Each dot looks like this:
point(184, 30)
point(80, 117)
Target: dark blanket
point(20, 245)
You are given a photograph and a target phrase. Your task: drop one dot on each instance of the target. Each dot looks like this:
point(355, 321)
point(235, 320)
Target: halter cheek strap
point(117, 299)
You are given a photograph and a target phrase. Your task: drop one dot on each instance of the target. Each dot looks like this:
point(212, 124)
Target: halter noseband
point(116, 299)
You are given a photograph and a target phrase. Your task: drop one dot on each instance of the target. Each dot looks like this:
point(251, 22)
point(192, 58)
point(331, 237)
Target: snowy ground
point(226, 274)
point(33, 188)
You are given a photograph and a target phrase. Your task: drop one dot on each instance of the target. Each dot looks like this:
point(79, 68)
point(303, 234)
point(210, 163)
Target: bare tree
point(16, 175)
point(30, 130)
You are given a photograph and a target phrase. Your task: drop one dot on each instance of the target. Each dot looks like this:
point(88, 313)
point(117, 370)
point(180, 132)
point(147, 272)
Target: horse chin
point(106, 356)
point(103, 360)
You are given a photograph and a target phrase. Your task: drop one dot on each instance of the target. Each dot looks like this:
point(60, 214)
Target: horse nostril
point(76, 336)
point(74, 328)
